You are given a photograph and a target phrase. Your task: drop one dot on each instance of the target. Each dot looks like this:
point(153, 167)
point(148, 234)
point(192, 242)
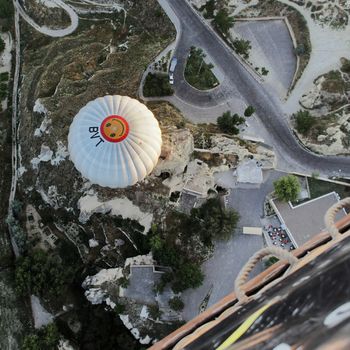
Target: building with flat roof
point(305, 220)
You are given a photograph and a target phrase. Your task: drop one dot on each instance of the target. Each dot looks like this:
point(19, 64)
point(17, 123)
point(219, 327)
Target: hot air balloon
point(114, 141)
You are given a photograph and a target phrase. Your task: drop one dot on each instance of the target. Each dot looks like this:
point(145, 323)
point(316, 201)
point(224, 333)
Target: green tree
point(228, 123)
point(242, 47)
point(188, 276)
point(3, 90)
point(224, 21)
point(198, 73)
point(209, 8)
point(157, 85)
point(6, 9)
point(46, 338)
point(31, 342)
point(176, 304)
point(217, 222)
point(156, 243)
point(2, 45)
point(303, 121)
point(249, 111)
point(287, 188)
point(50, 336)
point(345, 66)
point(123, 282)
point(4, 76)
point(264, 71)
point(302, 49)
point(154, 311)
point(119, 308)
point(42, 274)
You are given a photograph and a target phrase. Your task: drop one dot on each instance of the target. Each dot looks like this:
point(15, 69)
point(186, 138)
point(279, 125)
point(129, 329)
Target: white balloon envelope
point(114, 141)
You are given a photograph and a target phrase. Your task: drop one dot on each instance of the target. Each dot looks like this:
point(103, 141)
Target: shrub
point(242, 47)
point(188, 276)
point(176, 304)
point(157, 85)
point(304, 121)
point(45, 338)
point(123, 282)
point(287, 188)
point(209, 8)
point(6, 9)
point(217, 222)
point(2, 45)
point(249, 111)
point(3, 91)
point(264, 71)
point(224, 21)
point(154, 311)
point(228, 123)
point(302, 49)
point(345, 66)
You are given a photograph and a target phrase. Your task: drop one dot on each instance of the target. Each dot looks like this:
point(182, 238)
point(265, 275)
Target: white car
point(171, 79)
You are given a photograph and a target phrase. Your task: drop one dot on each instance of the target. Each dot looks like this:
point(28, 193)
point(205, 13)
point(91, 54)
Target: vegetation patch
point(45, 338)
point(334, 82)
point(304, 121)
point(42, 274)
point(223, 21)
point(198, 73)
point(229, 123)
point(183, 242)
point(156, 85)
point(6, 14)
point(345, 67)
point(320, 187)
point(287, 188)
point(242, 47)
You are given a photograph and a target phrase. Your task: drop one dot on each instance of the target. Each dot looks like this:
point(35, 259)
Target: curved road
point(239, 81)
point(48, 31)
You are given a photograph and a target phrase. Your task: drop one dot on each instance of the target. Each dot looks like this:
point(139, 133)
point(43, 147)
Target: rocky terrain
point(333, 13)
point(329, 102)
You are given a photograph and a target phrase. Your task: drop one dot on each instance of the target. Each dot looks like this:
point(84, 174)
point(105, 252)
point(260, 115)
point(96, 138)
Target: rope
point(330, 216)
point(248, 267)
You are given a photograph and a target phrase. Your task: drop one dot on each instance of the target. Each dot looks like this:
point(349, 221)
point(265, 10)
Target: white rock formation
point(90, 204)
point(93, 243)
point(61, 153)
point(95, 285)
point(44, 156)
point(140, 260)
point(176, 152)
point(312, 99)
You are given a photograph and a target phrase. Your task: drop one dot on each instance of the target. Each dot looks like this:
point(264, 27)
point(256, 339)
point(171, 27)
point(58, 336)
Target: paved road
point(240, 82)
